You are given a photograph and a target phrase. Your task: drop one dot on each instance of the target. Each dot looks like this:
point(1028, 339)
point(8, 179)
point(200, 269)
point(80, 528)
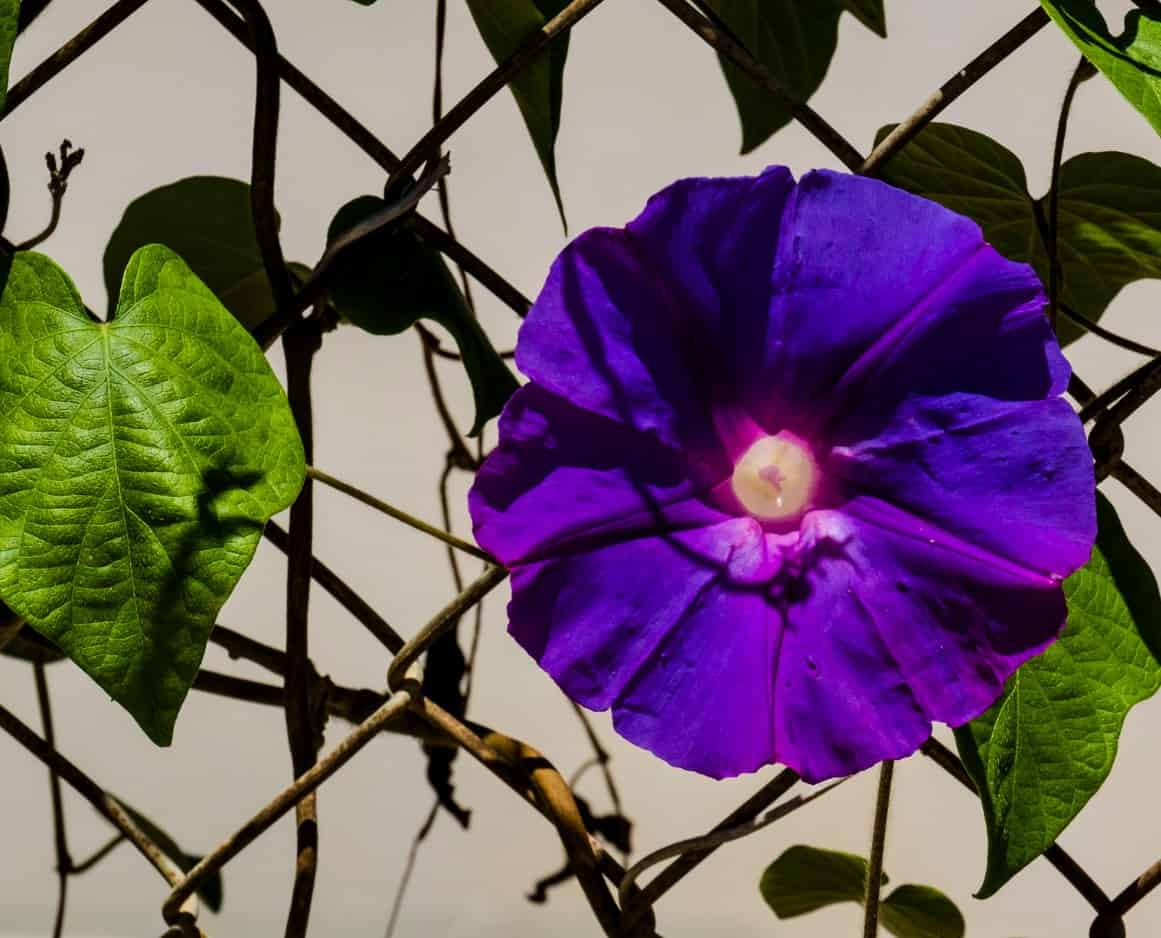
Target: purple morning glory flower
point(793, 477)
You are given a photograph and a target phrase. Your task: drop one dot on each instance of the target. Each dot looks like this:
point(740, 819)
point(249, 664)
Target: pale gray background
point(170, 95)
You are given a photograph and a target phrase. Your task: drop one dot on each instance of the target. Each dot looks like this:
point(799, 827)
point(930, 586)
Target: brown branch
point(283, 803)
point(444, 619)
point(726, 46)
point(300, 343)
point(64, 862)
point(878, 844)
point(398, 514)
point(357, 133)
point(105, 804)
point(955, 86)
point(343, 594)
point(687, 863)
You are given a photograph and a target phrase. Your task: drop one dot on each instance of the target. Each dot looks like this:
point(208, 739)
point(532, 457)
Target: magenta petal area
point(979, 467)
point(894, 624)
point(792, 479)
point(563, 477)
point(879, 294)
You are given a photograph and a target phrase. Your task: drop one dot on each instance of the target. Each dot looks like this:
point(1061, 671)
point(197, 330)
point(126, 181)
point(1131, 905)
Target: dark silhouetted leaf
point(504, 25)
point(207, 221)
point(389, 281)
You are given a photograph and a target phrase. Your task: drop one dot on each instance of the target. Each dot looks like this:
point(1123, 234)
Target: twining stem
point(951, 89)
point(64, 862)
point(105, 804)
point(342, 593)
point(366, 141)
point(1083, 70)
point(688, 862)
point(878, 843)
point(283, 802)
point(398, 514)
point(716, 839)
point(300, 343)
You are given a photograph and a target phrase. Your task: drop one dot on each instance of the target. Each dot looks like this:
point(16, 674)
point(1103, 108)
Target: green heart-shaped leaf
point(1046, 746)
point(389, 281)
point(1110, 211)
point(539, 88)
point(208, 221)
point(805, 879)
point(1131, 61)
point(139, 461)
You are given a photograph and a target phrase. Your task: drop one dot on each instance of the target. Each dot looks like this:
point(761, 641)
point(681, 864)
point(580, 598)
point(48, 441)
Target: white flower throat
point(776, 478)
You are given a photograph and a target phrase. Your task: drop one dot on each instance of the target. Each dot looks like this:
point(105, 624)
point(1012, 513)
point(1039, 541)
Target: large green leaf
point(1046, 746)
point(1131, 61)
point(207, 220)
point(539, 88)
point(390, 280)
point(9, 26)
point(1110, 210)
point(795, 40)
point(805, 879)
point(139, 461)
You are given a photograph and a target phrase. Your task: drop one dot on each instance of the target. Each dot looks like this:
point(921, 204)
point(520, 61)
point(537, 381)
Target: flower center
point(776, 478)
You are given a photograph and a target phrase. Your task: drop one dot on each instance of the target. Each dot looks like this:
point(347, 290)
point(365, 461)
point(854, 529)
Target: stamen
point(776, 478)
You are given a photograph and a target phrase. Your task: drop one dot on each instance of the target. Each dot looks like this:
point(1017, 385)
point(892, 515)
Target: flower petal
point(562, 476)
point(594, 618)
point(980, 467)
point(880, 294)
point(897, 625)
point(641, 324)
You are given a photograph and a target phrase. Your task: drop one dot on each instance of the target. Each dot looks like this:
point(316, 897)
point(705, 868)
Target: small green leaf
point(804, 879)
point(210, 891)
point(870, 13)
point(208, 222)
point(539, 88)
point(1047, 745)
point(794, 39)
point(389, 281)
point(1110, 210)
point(9, 26)
point(139, 461)
point(921, 912)
point(1131, 61)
